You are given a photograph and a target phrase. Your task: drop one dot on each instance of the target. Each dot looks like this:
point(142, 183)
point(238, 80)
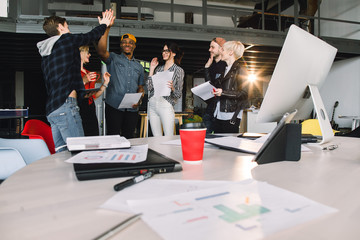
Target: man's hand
point(107, 18)
point(210, 61)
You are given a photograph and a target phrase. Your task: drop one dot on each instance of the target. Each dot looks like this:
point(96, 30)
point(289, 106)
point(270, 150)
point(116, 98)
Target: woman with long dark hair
point(161, 109)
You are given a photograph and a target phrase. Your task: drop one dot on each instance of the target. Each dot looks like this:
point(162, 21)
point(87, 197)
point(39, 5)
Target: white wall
point(343, 10)
point(3, 8)
point(343, 85)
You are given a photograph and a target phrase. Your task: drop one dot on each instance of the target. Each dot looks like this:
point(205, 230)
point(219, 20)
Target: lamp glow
point(252, 77)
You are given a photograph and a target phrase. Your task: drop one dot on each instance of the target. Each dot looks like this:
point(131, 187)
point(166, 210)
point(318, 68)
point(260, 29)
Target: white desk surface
point(44, 200)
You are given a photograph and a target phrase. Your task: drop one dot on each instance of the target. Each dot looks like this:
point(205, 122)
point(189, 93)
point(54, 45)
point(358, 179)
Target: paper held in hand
point(160, 82)
point(97, 143)
point(204, 91)
point(129, 100)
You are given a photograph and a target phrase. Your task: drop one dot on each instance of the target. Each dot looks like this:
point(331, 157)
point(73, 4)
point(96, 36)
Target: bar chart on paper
point(248, 210)
point(133, 155)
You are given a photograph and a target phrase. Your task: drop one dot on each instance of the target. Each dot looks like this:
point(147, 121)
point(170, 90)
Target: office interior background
point(261, 25)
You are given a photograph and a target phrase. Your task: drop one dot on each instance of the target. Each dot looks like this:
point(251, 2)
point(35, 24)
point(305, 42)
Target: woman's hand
point(170, 85)
point(89, 77)
point(153, 64)
point(217, 92)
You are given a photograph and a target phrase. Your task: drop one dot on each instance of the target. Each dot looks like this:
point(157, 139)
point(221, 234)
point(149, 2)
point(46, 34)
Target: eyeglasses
point(165, 51)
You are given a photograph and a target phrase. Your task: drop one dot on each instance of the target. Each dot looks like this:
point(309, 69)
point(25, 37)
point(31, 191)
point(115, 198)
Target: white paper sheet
point(129, 100)
point(160, 82)
point(204, 90)
point(97, 142)
point(177, 142)
point(154, 188)
point(244, 210)
point(134, 154)
point(246, 145)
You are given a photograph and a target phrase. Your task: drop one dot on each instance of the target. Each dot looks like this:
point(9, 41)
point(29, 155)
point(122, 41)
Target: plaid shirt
point(61, 68)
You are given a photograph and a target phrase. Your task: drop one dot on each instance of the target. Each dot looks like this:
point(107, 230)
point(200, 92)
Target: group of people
point(63, 58)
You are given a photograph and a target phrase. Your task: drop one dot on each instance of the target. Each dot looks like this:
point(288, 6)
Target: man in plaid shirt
point(61, 69)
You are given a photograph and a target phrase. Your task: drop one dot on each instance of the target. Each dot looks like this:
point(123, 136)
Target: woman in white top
point(161, 109)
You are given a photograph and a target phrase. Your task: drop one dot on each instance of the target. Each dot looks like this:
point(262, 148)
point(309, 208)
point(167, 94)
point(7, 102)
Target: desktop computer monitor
point(300, 71)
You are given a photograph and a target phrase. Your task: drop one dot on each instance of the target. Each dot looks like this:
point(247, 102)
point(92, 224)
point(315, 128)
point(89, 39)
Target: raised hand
point(107, 18)
point(106, 78)
point(210, 61)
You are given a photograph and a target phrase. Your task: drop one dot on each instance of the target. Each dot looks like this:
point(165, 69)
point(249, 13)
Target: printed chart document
point(243, 210)
point(134, 154)
point(160, 82)
point(129, 100)
point(96, 143)
point(204, 91)
point(154, 188)
point(235, 144)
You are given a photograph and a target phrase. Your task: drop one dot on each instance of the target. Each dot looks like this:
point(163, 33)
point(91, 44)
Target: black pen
point(132, 181)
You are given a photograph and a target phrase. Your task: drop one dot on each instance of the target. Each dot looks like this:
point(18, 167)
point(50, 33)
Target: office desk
point(45, 201)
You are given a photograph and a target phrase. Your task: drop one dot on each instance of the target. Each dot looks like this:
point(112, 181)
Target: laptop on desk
point(155, 162)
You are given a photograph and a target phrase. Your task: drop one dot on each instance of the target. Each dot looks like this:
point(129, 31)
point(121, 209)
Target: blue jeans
point(65, 122)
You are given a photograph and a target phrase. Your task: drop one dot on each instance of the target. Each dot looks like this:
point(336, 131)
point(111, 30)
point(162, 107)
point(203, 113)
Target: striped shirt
point(178, 82)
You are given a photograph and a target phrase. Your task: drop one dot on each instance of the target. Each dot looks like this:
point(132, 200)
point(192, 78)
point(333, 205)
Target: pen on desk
point(132, 181)
point(118, 227)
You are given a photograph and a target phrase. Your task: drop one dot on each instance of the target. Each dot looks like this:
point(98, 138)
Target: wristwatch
point(105, 85)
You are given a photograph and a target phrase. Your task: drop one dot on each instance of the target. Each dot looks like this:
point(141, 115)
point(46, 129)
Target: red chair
point(36, 129)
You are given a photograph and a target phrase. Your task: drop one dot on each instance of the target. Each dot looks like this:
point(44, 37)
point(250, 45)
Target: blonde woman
point(87, 105)
point(231, 89)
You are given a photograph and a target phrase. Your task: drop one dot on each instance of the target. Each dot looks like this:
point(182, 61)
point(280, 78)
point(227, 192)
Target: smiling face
point(225, 54)
point(127, 46)
point(85, 56)
point(214, 49)
point(167, 54)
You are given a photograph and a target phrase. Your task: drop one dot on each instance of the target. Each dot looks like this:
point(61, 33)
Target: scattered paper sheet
point(129, 100)
point(243, 210)
point(96, 142)
point(204, 90)
point(160, 82)
point(154, 188)
point(243, 145)
point(134, 154)
point(177, 142)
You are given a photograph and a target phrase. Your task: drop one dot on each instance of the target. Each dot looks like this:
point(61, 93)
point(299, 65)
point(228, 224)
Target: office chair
point(30, 149)
point(10, 161)
point(36, 129)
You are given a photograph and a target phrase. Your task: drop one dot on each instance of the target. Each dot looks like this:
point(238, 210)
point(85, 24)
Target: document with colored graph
point(244, 210)
point(134, 154)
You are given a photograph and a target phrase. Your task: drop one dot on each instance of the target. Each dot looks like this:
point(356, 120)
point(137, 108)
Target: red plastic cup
point(192, 137)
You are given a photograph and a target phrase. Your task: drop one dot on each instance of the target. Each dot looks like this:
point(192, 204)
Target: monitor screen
point(304, 60)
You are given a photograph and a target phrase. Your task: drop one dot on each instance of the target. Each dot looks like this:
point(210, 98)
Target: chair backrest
point(36, 129)
point(30, 149)
point(10, 161)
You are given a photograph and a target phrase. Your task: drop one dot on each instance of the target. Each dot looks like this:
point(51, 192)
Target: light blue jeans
point(65, 122)
point(161, 112)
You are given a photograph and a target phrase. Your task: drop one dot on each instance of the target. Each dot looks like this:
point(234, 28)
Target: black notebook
point(155, 162)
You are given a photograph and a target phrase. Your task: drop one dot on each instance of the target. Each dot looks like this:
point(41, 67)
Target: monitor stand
point(326, 130)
